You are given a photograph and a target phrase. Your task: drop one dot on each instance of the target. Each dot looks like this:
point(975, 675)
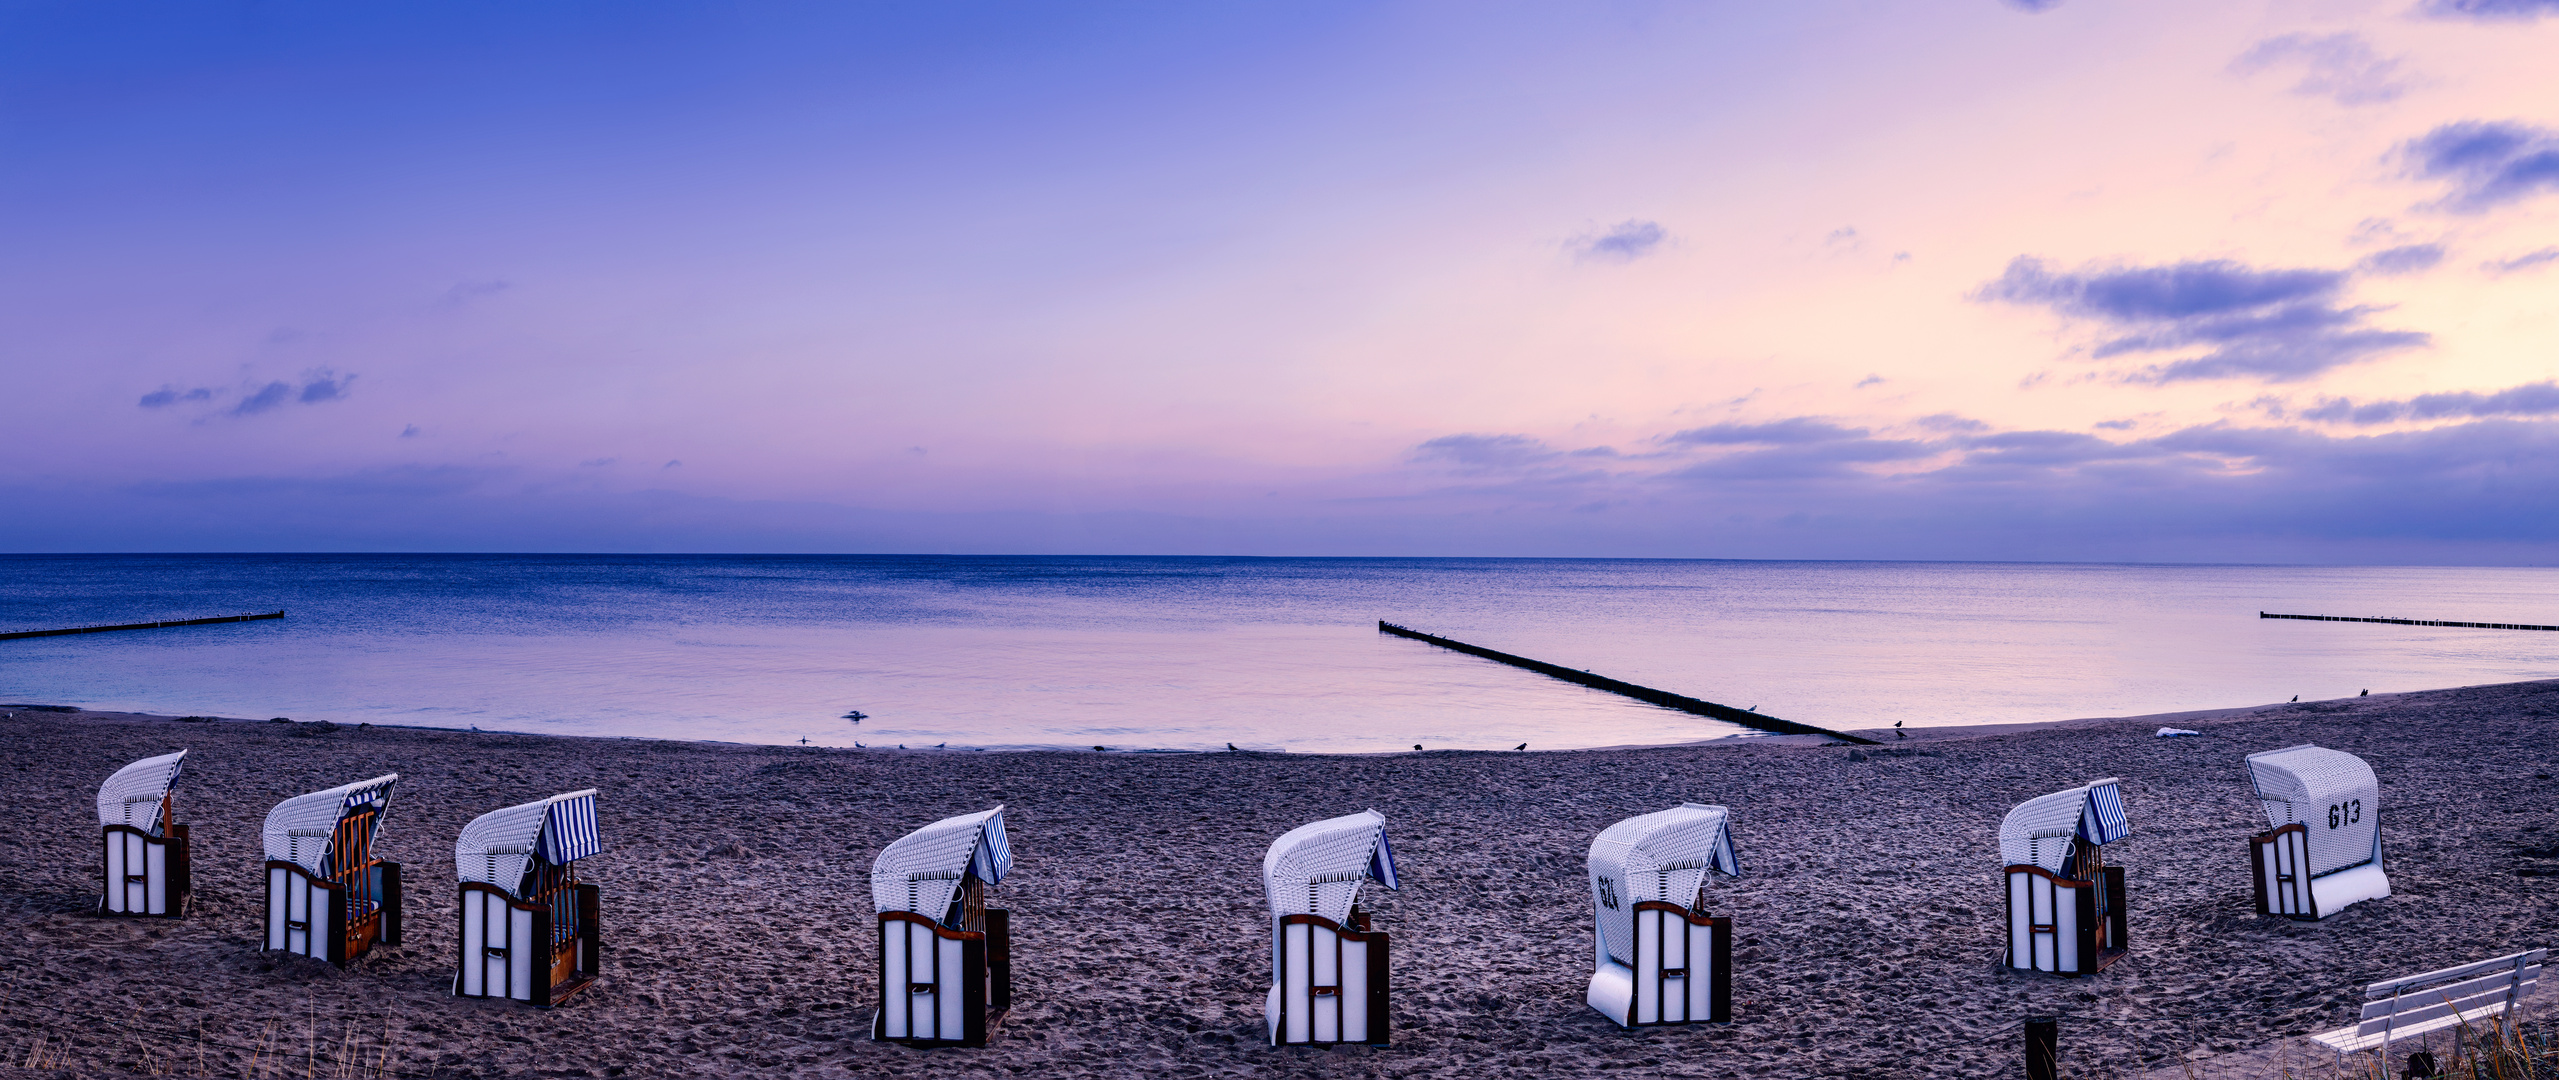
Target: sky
point(2100, 280)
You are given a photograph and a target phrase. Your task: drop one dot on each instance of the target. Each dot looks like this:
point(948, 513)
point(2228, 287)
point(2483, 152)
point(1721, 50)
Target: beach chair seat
point(1661, 959)
point(2066, 909)
point(328, 897)
point(946, 959)
point(529, 926)
point(143, 848)
point(1329, 966)
point(2323, 850)
point(2418, 1004)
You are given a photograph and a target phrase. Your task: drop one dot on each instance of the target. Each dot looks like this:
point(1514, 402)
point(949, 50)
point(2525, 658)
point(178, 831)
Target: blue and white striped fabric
point(923, 870)
point(498, 847)
point(568, 833)
point(300, 829)
point(2102, 819)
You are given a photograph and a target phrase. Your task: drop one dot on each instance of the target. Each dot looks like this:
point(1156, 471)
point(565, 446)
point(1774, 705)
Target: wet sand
point(739, 939)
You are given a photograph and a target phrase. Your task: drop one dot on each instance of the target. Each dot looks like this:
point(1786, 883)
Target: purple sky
point(2098, 279)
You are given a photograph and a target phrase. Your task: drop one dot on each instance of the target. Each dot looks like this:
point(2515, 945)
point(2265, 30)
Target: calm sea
point(1190, 653)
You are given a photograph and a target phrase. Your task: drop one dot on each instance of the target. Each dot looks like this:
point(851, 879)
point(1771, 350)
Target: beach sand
point(739, 938)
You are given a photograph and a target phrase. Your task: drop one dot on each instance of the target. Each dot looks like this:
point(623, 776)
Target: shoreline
point(1884, 735)
point(738, 939)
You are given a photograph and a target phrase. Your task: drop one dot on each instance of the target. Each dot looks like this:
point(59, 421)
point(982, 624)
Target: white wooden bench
point(2469, 994)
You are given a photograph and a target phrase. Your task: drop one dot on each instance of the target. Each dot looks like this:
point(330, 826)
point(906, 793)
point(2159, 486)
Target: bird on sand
point(858, 746)
point(1522, 746)
point(941, 746)
point(1417, 746)
point(1230, 746)
point(2296, 697)
point(2366, 693)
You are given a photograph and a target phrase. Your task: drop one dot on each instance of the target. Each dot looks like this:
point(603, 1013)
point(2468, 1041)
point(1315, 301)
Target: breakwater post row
point(140, 625)
point(1663, 698)
point(2408, 622)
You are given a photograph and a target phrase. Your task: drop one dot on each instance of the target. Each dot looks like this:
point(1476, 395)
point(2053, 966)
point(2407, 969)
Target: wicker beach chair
point(328, 897)
point(2065, 905)
point(946, 959)
point(1328, 968)
point(2324, 849)
point(145, 847)
point(1661, 959)
point(529, 926)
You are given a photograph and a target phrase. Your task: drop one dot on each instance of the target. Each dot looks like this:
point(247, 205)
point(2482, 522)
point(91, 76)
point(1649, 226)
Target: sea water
point(1197, 653)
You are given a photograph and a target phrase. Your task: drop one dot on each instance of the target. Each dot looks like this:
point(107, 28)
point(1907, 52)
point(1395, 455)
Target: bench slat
point(2486, 984)
point(2412, 1011)
point(2345, 1040)
point(2506, 963)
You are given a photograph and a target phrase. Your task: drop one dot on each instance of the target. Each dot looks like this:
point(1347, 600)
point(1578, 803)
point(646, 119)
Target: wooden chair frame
point(541, 950)
point(1316, 1001)
point(941, 986)
point(340, 913)
point(163, 884)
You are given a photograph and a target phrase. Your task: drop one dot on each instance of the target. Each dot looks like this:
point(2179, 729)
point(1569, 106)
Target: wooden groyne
point(141, 625)
point(1646, 694)
point(2409, 622)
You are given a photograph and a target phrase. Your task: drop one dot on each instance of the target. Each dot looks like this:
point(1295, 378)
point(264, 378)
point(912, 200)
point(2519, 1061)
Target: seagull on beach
point(2296, 697)
point(2366, 693)
point(941, 746)
point(859, 746)
point(857, 716)
point(1522, 746)
point(1230, 746)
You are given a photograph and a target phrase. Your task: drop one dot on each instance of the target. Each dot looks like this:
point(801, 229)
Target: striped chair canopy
point(1318, 869)
point(300, 829)
point(498, 847)
point(922, 870)
point(134, 795)
point(2040, 831)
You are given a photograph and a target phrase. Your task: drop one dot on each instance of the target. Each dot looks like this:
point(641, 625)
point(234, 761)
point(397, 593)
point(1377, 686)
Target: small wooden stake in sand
point(2043, 1056)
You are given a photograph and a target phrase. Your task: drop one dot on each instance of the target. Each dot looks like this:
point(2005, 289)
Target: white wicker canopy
point(134, 795)
point(1657, 856)
point(2331, 792)
point(1318, 869)
point(497, 847)
point(922, 870)
point(2040, 830)
point(299, 829)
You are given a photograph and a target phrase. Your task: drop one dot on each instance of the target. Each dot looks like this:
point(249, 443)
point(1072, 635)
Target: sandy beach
point(738, 937)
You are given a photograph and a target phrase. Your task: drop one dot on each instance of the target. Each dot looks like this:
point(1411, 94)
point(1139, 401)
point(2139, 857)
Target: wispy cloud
point(264, 398)
point(2485, 164)
point(322, 386)
point(166, 396)
point(2340, 67)
point(2520, 263)
point(2401, 261)
point(1627, 241)
point(2275, 325)
point(1485, 451)
point(2490, 9)
point(2530, 399)
point(1795, 431)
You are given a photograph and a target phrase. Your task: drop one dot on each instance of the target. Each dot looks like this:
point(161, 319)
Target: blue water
point(1187, 653)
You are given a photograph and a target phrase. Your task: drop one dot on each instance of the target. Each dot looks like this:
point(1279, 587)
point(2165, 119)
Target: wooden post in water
point(1663, 698)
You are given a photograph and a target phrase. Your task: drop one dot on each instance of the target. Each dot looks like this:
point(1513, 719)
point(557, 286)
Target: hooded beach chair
point(1328, 969)
point(146, 849)
point(2065, 905)
point(946, 959)
point(328, 898)
point(2324, 851)
point(1661, 958)
point(528, 924)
